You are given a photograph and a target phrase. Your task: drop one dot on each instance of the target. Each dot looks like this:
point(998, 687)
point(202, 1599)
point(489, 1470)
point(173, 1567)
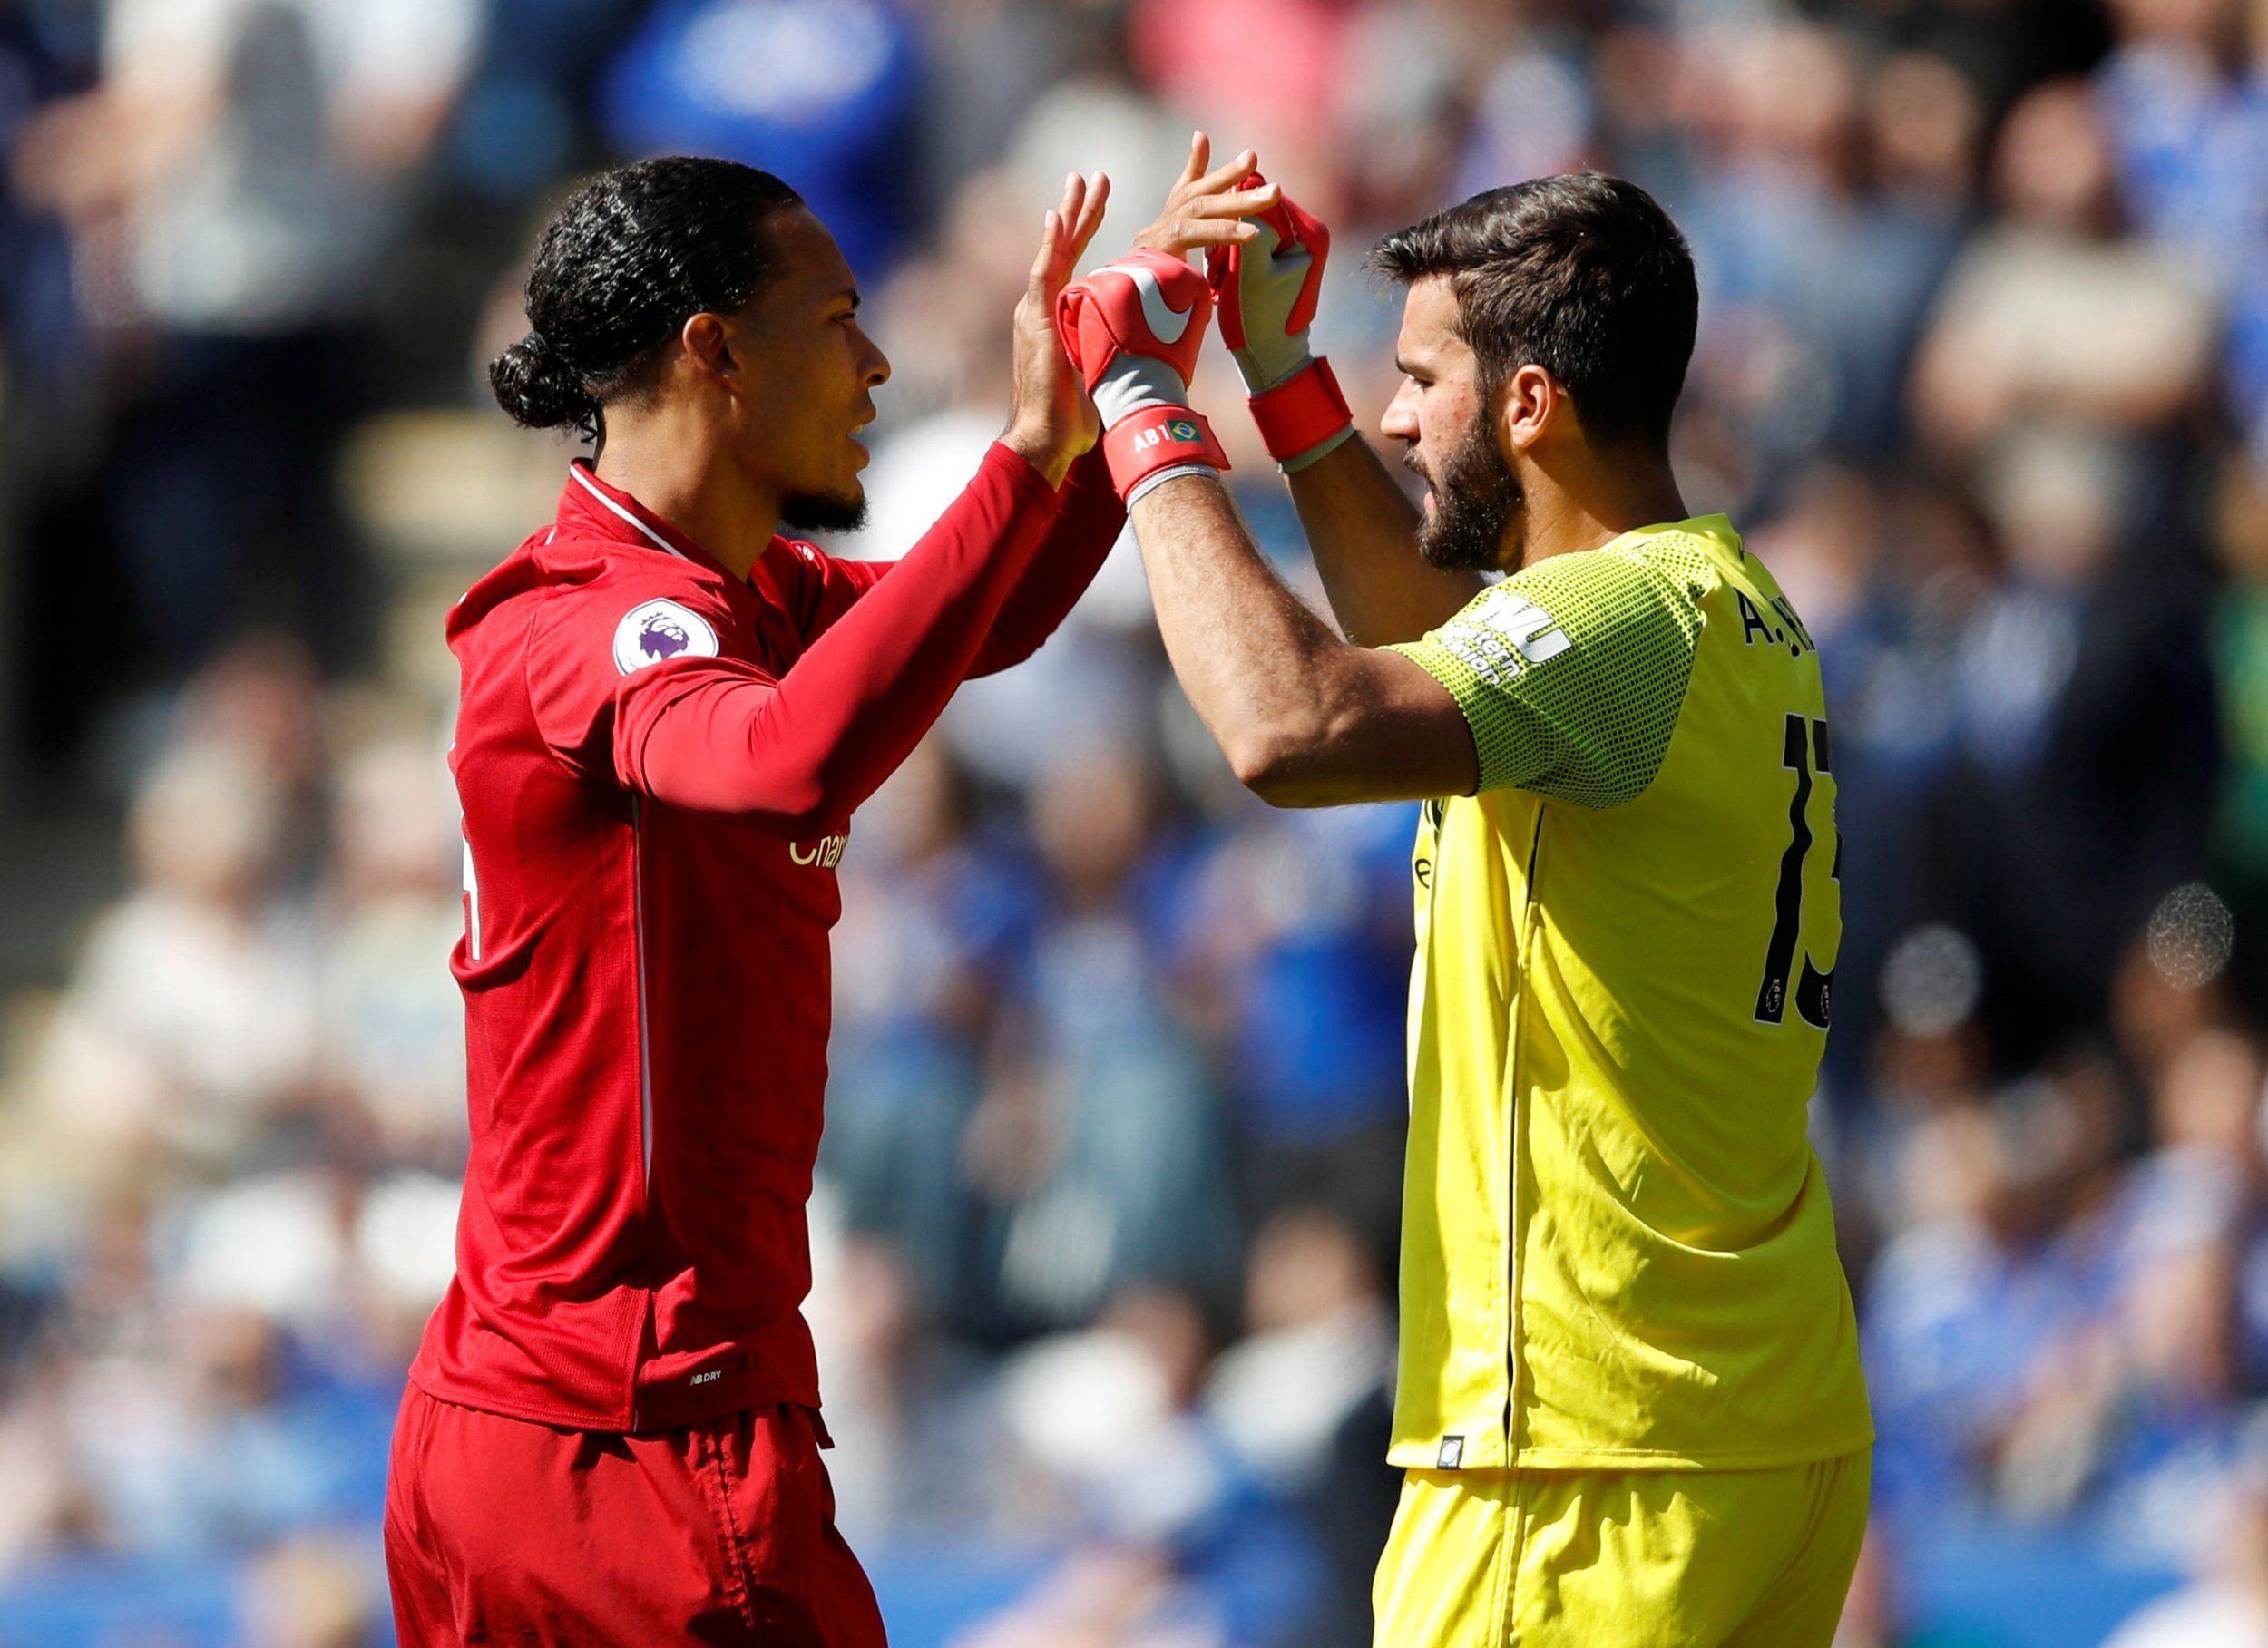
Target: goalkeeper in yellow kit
point(1629, 1402)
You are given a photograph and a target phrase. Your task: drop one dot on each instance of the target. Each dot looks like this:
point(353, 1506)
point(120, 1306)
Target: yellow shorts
point(1622, 1559)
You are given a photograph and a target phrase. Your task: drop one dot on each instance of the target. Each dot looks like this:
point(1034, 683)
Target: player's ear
point(709, 346)
point(1526, 406)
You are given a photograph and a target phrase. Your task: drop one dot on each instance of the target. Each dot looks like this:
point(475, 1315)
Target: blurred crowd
point(1106, 1221)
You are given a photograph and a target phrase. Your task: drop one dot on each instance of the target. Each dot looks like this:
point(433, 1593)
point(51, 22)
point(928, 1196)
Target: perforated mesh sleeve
point(1572, 671)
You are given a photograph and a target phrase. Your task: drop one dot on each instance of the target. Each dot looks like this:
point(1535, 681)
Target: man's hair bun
point(539, 389)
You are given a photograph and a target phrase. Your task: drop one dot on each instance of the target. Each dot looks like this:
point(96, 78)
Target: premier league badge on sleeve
point(660, 629)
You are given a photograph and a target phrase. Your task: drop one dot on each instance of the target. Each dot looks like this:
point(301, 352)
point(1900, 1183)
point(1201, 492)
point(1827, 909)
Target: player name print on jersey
point(1790, 633)
point(659, 629)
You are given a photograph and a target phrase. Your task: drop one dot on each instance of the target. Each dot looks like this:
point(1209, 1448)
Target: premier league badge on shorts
point(660, 629)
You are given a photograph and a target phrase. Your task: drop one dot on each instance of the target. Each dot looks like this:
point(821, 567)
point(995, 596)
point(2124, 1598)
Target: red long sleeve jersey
point(657, 763)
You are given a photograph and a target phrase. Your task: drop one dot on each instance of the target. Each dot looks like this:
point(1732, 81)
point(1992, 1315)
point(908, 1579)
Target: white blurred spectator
point(2227, 1607)
point(2052, 316)
point(392, 1018)
point(188, 1023)
point(1322, 1341)
point(242, 160)
point(1104, 1416)
point(404, 1241)
point(276, 1245)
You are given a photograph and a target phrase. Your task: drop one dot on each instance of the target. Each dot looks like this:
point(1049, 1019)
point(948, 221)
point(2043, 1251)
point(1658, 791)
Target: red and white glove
point(1267, 289)
point(1132, 331)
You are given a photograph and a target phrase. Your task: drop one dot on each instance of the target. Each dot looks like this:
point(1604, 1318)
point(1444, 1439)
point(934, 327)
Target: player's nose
point(877, 363)
point(1401, 419)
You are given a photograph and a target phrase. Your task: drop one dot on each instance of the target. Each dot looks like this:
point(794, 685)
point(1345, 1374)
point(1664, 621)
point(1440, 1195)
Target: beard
point(1477, 505)
point(824, 512)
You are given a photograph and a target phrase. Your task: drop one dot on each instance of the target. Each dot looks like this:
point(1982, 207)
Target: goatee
point(824, 512)
point(1476, 502)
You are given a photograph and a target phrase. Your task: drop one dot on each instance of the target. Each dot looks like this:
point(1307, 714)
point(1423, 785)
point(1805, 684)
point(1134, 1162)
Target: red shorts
point(722, 1533)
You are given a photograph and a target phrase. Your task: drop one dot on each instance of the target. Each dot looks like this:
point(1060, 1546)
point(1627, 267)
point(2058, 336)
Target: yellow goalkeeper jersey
point(1618, 1251)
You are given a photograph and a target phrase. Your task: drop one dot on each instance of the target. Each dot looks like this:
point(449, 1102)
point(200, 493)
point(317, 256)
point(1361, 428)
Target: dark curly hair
point(1583, 275)
point(621, 267)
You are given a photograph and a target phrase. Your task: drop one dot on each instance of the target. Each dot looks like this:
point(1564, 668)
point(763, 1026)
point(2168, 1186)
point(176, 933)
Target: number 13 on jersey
point(1805, 752)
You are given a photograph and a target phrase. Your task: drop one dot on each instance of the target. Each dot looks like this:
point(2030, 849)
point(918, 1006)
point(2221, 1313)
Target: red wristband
point(1302, 411)
point(1157, 437)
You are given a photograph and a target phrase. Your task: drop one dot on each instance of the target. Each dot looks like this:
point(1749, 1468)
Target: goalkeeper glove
point(1132, 331)
point(1267, 289)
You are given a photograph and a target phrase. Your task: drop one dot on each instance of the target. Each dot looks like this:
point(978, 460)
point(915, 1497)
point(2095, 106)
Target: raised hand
point(1133, 329)
point(1267, 286)
point(1052, 420)
point(1207, 209)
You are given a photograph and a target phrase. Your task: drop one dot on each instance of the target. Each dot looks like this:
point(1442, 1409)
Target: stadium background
point(1109, 1184)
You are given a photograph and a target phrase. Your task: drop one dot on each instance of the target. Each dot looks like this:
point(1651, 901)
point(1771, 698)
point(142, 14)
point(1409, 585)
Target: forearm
point(810, 747)
point(1256, 663)
point(1068, 555)
point(1362, 530)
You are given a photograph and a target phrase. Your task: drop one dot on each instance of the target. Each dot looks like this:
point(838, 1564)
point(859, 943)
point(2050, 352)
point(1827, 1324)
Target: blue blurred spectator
point(1967, 1299)
point(523, 118)
point(2187, 109)
point(1300, 933)
point(1822, 278)
point(935, 921)
point(822, 92)
point(1100, 1140)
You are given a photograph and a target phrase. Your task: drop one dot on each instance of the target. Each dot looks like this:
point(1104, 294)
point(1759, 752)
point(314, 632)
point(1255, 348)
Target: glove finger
point(1303, 228)
point(1072, 310)
point(1268, 259)
point(1300, 227)
point(1221, 263)
point(1223, 270)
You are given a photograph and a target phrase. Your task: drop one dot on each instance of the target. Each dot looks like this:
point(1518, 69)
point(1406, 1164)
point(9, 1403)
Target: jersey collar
point(1717, 529)
point(590, 508)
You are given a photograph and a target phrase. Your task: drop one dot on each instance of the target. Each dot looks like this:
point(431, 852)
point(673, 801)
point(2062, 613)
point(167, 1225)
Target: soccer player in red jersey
point(669, 713)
